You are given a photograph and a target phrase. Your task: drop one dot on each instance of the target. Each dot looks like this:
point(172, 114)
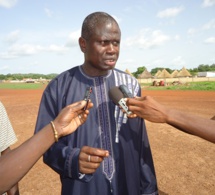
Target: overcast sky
point(42, 36)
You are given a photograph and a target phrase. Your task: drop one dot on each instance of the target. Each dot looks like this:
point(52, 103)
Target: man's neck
point(93, 72)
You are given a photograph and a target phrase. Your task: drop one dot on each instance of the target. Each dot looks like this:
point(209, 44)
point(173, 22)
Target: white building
point(206, 74)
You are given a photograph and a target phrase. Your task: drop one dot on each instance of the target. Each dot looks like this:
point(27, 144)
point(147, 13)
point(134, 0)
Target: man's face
point(102, 48)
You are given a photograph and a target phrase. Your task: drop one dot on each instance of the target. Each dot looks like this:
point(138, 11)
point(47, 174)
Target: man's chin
point(109, 68)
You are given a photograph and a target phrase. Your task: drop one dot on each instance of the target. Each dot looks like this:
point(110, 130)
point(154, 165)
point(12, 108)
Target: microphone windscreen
point(115, 95)
point(124, 89)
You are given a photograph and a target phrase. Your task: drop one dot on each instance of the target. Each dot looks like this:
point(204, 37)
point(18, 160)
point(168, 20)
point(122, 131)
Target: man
point(81, 158)
point(7, 138)
point(149, 109)
point(16, 163)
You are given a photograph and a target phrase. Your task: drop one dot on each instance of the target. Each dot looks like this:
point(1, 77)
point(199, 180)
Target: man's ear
point(82, 44)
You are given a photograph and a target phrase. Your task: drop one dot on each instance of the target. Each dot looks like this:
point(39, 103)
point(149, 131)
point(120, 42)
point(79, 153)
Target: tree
point(139, 71)
point(2, 77)
point(19, 76)
point(169, 70)
point(154, 70)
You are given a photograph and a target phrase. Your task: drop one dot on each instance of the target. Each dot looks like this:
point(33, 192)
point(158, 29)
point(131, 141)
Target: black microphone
point(126, 92)
point(118, 98)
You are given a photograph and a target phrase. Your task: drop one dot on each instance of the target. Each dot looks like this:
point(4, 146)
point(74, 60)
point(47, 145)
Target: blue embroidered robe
point(129, 170)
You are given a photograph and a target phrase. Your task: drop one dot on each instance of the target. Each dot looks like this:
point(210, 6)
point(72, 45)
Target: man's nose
point(111, 48)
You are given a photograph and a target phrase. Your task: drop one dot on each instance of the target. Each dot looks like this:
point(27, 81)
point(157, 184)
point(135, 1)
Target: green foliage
point(202, 68)
point(193, 72)
point(169, 70)
point(19, 76)
point(139, 71)
point(2, 77)
point(154, 70)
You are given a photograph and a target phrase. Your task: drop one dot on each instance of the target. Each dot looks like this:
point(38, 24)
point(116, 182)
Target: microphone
point(118, 98)
point(124, 89)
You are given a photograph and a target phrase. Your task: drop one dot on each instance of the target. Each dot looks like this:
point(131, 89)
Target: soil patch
point(184, 163)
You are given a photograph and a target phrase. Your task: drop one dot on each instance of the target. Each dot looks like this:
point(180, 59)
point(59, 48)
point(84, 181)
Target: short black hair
point(92, 20)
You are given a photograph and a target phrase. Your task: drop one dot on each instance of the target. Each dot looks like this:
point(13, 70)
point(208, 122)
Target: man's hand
point(71, 117)
point(90, 159)
point(147, 108)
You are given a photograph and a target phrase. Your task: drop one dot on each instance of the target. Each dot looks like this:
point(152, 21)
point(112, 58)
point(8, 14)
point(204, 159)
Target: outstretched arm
point(15, 164)
point(149, 109)
point(15, 189)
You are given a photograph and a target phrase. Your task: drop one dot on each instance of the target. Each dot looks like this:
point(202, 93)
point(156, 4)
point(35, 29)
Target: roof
point(184, 73)
point(157, 73)
point(164, 74)
point(174, 73)
point(145, 74)
point(127, 71)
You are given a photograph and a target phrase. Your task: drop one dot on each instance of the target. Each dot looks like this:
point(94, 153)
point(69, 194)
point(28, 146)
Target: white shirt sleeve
point(7, 134)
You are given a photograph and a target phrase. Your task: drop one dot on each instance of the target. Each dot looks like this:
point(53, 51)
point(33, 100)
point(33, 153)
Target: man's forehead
point(106, 31)
point(110, 36)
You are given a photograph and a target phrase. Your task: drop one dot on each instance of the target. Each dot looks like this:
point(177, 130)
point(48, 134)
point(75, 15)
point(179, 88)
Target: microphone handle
point(122, 103)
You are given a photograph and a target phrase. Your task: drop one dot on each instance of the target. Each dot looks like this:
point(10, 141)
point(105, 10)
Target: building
point(206, 74)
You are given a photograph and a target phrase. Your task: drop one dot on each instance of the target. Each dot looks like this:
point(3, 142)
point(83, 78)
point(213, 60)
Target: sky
point(42, 36)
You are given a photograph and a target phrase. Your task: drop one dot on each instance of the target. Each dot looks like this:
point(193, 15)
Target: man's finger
point(77, 105)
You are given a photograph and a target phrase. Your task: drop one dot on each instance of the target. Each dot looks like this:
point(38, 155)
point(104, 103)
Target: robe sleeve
point(60, 157)
point(148, 183)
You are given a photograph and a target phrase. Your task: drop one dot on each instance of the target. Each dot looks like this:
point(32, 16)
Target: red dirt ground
point(185, 164)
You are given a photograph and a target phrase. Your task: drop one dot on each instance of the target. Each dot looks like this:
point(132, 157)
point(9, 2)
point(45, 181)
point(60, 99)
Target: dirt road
point(185, 165)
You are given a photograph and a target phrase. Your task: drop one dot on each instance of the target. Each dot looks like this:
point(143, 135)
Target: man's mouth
point(110, 62)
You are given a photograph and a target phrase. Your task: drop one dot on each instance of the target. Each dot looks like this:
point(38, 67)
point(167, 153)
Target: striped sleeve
point(7, 135)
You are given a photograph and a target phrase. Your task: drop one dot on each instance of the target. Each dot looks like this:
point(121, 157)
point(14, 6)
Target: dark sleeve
point(61, 157)
point(148, 183)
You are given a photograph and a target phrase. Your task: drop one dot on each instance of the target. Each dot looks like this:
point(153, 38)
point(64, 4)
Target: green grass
point(197, 86)
point(22, 85)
